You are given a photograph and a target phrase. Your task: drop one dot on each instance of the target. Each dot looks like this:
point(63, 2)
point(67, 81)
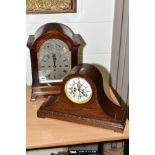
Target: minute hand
point(84, 93)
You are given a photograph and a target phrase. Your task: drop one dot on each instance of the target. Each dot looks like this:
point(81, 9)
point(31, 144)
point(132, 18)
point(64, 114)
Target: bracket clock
point(82, 99)
point(53, 51)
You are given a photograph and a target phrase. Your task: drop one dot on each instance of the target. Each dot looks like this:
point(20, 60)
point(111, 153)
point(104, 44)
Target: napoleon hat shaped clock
point(53, 52)
point(82, 99)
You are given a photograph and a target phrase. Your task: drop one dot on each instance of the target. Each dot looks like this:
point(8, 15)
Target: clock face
point(78, 90)
point(54, 61)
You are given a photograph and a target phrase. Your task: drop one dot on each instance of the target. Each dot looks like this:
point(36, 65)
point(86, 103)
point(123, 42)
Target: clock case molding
point(44, 33)
point(99, 111)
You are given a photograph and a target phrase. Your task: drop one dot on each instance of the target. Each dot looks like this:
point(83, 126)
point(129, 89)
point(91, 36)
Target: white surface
point(93, 21)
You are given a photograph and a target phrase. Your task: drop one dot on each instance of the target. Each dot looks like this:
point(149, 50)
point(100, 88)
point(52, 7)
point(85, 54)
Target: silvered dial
point(54, 61)
point(78, 90)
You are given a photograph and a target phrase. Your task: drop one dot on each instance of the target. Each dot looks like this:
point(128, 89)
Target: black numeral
point(64, 71)
point(48, 76)
point(71, 92)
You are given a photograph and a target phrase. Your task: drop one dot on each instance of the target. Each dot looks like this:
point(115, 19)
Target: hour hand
point(54, 60)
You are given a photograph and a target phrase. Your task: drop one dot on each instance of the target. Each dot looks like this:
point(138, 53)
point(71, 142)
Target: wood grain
point(43, 133)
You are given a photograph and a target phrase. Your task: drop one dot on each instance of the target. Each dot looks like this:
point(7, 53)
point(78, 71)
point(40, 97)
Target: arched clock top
point(54, 27)
point(54, 30)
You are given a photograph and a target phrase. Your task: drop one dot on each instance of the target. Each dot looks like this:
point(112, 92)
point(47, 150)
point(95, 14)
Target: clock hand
point(79, 96)
point(54, 60)
point(84, 93)
point(79, 86)
point(79, 89)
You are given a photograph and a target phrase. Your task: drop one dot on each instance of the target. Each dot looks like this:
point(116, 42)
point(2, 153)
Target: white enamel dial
point(78, 90)
point(54, 61)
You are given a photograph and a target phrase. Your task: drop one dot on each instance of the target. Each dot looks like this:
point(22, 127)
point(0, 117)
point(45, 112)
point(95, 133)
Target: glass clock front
point(54, 61)
point(78, 90)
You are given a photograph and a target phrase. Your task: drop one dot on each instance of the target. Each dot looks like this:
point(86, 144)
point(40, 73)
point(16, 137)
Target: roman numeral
point(71, 92)
point(47, 46)
point(79, 97)
point(64, 71)
point(48, 76)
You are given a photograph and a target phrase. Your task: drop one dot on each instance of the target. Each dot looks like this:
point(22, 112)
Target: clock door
point(54, 61)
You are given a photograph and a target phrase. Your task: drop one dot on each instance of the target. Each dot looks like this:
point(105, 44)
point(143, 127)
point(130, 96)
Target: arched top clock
point(53, 51)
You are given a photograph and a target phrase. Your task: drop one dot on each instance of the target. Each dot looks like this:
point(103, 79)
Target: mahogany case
point(45, 32)
point(98, 111)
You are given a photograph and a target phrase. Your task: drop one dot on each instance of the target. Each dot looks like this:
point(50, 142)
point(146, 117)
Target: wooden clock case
point(45, 32)
point(98, 111)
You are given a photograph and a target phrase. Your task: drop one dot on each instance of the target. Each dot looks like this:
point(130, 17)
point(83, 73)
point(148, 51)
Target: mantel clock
point(53, 52)
point(82, 99)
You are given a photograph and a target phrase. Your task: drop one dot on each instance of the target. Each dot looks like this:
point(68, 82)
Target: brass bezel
point(74, 100)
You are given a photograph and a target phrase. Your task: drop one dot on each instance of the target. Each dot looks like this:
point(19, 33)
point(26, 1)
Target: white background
point(13, 77)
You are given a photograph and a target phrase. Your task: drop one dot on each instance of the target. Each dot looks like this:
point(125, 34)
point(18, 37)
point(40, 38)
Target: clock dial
point(54, 61)
point(78, 90)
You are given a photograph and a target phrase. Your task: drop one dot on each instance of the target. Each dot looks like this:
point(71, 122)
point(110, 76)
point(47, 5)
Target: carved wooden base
point(48, 110)
point(118, 127)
